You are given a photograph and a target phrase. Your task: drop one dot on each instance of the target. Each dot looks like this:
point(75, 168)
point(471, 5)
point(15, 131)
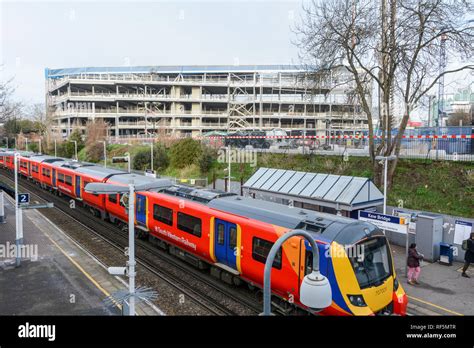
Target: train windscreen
point(371, 261)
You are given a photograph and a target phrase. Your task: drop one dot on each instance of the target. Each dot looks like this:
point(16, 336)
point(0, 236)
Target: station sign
point(120, 159)
point(385, 222)
point(23, 198)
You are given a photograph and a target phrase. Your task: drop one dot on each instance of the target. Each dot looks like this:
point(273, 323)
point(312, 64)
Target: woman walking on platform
point(469, 256)
point(413, 262)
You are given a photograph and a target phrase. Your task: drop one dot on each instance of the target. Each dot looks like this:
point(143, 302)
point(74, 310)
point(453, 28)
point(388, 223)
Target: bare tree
point(96, 132)
point(392, 44)
point(8, 107)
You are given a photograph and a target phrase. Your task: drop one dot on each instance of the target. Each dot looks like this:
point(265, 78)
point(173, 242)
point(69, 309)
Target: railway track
point(213, 296)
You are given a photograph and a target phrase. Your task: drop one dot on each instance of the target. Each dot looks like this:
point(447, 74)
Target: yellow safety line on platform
point(74, 262)
point(434, 305)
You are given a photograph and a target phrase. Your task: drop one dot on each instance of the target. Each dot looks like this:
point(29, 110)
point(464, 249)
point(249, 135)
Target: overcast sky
point(57, 34)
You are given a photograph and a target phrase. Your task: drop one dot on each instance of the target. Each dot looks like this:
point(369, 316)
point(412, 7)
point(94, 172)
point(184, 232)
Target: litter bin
point(446, 254)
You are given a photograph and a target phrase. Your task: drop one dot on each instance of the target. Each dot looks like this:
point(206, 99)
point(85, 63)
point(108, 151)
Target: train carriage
point(6, 160)
point(40, 172)
point(237, 233)
point(63, 178)
point(102, 204)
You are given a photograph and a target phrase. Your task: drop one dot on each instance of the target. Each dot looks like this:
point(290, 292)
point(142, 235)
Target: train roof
point(274, 213)
point(136, 178)
point(74, 165)
point(22, 153)
point(328, 227)
point(45, 158)
point(195, 194)
point(100, 172)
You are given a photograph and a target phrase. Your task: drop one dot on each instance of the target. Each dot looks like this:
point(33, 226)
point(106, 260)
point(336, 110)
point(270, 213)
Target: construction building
point(194, 100)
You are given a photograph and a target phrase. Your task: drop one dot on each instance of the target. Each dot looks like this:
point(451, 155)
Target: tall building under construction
point(196, 100)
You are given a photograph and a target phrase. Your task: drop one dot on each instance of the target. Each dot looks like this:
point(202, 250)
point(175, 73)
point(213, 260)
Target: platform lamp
point(315, 290)
point(130, 189)
point(105, 152)
point(385, 159)
point(75, 148)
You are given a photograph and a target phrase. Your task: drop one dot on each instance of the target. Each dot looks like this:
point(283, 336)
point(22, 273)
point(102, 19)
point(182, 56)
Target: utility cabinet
point(429, 235)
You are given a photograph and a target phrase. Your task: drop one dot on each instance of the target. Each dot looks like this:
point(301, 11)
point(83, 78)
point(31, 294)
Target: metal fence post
point(2, 209)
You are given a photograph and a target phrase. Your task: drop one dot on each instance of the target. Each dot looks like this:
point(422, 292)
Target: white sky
point(36, 35)
point(57, 34)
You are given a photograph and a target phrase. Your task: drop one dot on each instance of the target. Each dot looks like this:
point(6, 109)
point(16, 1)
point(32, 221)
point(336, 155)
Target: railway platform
point(442, 290)
point(56, 276)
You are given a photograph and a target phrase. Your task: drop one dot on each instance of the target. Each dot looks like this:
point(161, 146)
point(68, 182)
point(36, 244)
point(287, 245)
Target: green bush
point(161, 159)
point(207, 158)
point(33, 147)
point(185, 153)
point(142, 158)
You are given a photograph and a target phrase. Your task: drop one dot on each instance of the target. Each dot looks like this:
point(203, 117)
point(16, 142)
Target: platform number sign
point(23, 198)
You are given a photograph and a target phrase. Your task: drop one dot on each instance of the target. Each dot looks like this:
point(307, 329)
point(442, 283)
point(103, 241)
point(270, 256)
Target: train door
point(226, 243)
point(78, 186)
point(28, 164)
point(54, 177)
point(140, 209)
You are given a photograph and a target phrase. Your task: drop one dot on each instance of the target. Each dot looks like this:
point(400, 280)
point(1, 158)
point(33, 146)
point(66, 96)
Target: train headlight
point(357, 300)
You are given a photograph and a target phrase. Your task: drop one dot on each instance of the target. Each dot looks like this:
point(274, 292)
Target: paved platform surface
point(56, 277)
point(442, 290)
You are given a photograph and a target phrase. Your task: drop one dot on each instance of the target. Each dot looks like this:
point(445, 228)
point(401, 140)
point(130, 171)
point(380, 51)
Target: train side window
point(163, 214)
point(220, 234)
point(46, 172)
point(260, 250)
point(308, 262)
point(68, 180)
point(113, 198)
point(232, 237)
point(61, 177)
point(190, 224)
point(34, 168)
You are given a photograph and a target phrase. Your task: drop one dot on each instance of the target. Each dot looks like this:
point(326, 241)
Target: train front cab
point(363, 279)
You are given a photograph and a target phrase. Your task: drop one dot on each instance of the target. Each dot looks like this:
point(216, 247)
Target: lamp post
point(127, 155)
point(55, 148)
point(229, 167)
point(315, 290)
point(7, 141)
point(104, 188)
point(105, 153)
point(18, 214)
point(151, 156)
point(385, 159)
point(26, 144)
point(75, 148)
